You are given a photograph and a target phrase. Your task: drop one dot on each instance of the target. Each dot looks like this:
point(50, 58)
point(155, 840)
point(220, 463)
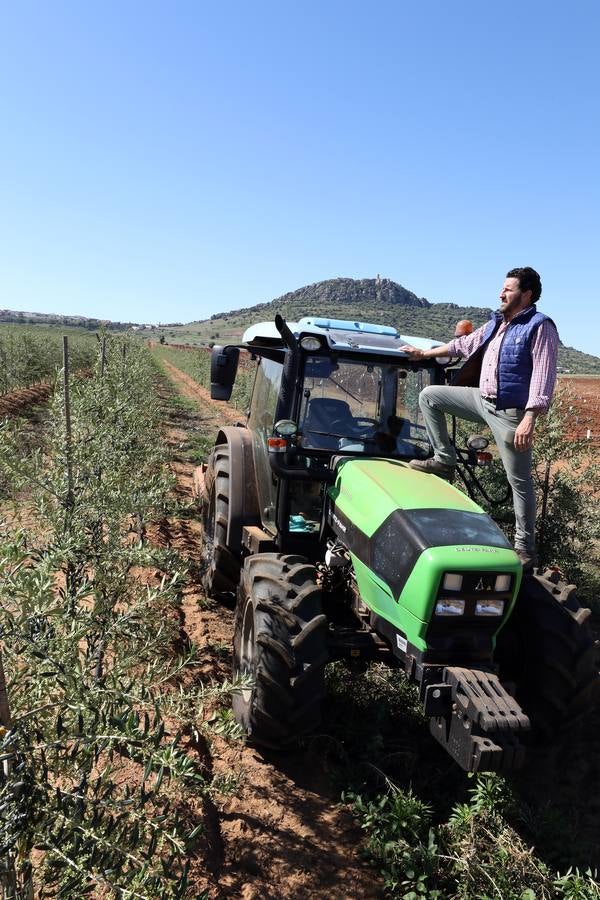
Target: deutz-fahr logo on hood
point(485, 583)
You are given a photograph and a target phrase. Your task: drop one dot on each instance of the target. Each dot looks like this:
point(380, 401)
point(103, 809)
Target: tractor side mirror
point(223, 369)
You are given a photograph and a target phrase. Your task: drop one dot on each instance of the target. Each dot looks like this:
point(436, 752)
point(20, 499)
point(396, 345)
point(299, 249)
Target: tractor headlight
point(449, 606)
point(310, 342)
point(452, 582)
point(502, 583)
point(489, 607)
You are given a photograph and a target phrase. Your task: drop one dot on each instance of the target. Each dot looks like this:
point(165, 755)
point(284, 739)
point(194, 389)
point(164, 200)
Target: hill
point(367, 299)
point(17, 317)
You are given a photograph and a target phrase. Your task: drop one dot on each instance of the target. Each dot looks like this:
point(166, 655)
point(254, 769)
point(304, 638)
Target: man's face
point(512, 298)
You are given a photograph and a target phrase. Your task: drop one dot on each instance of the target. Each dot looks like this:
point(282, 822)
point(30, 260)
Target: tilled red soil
point(16, 401)
point(585, 392)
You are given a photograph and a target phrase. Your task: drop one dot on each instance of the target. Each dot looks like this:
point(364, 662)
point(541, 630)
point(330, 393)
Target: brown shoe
point(433, 467)
point(526, 559)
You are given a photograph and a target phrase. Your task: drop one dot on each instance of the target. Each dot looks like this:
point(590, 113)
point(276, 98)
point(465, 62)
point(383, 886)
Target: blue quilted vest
point(515, 364)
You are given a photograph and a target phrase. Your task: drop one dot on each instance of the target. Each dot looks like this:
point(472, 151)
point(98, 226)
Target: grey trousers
point(466, 403)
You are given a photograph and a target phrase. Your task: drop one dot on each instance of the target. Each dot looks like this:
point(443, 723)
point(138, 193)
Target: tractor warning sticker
point(401, 642)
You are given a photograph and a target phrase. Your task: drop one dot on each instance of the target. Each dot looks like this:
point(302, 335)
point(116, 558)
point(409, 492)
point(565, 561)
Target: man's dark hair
point(529, 280)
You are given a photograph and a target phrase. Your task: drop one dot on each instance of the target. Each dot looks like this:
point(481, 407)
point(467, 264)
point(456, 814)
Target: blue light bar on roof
point(347, 325)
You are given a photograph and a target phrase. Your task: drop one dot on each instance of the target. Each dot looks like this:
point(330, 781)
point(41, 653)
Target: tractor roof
point(340, 334)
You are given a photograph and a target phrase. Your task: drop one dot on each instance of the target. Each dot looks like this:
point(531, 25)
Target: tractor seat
point(326, 420)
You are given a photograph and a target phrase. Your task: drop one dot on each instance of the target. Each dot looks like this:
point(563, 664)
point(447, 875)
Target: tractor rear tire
point(222, 565)
point(280, 643)
point(547, 649)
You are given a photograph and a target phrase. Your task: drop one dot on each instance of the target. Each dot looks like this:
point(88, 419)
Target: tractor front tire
point(280, 645)
point(221, 564)
point(547, 649)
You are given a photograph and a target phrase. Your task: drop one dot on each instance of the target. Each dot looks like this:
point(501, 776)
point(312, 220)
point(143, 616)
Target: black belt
point(489, 399)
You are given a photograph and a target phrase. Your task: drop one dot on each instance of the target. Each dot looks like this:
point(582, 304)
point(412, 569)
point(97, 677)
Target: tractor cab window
point(355, 406)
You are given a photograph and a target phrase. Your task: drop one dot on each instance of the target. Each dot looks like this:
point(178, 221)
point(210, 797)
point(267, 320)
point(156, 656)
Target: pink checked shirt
point(544, 353)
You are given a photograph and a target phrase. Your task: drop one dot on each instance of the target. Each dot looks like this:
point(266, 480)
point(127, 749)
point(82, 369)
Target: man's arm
point(544, 356)
point(415, 355)
point(462, 346)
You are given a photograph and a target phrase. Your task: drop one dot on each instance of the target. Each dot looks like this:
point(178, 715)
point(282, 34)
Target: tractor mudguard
point(244, 507)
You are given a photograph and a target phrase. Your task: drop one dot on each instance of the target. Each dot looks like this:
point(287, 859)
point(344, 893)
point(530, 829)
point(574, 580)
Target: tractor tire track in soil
point(282, 833)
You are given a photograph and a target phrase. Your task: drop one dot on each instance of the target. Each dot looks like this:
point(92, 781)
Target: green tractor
point(334, 547)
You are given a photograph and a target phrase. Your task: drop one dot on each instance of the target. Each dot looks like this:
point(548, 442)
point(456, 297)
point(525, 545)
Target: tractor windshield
point(360, 407)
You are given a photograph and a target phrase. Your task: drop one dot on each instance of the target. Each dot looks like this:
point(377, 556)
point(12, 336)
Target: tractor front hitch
point(476, 720)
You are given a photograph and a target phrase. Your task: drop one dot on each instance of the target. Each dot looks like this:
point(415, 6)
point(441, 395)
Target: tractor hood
point(397, 521)
point(368, 490)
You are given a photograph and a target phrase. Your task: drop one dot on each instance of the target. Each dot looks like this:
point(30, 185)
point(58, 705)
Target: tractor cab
point(346, 386)
point(325, 389)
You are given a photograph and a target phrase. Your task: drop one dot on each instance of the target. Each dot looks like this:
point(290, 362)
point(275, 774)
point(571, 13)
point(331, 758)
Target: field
point(585, 392)
point(30, 354)
point(369, 807)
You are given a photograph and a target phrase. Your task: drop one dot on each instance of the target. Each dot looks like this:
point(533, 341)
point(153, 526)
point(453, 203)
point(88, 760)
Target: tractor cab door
point(261, 419)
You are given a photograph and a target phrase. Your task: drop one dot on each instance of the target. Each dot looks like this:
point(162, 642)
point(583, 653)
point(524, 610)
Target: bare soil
point(282, 833)
point(16, 401)
point(585, 390)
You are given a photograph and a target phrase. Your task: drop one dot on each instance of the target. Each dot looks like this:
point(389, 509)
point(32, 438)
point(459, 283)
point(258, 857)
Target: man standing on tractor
point(506, 382)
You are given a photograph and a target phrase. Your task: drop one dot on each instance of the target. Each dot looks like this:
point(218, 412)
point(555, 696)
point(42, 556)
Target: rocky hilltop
point(328, 296)
point(355, 291)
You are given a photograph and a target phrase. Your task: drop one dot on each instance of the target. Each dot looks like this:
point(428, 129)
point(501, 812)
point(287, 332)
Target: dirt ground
point(282, 833)
point(15, 401)
point(585, 390)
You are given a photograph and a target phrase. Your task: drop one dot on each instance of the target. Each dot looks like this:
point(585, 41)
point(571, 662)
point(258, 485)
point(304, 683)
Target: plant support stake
point(69, 500)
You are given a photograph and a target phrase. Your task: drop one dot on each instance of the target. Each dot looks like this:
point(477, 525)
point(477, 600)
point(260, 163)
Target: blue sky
point(166, 161)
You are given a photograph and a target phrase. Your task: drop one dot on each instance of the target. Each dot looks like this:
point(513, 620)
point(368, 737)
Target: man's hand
point(524, 433)
point(413, 354)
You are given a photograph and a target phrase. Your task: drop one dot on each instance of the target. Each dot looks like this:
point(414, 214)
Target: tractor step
point(481, 724)
point(257, 540)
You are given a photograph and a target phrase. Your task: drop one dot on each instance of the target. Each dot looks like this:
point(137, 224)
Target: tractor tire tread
point(288, 648)
point(547, 648)
point(221, 564)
